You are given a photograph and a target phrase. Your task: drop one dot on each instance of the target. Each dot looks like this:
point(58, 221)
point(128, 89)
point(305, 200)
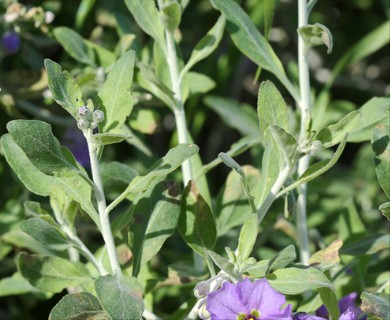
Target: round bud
point(202, 289)
point(202, 311)
point(84, 112)
point(83, 124)
point(315, 147)
point(98, 116)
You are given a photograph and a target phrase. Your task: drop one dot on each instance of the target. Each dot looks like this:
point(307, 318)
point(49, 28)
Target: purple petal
point(347, 301)
point(11, 42)
point(225, 303)
point(305, 316)
point(352, 313)
point(260, 296)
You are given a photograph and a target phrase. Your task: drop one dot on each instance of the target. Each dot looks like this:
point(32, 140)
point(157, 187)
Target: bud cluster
point(88, 119)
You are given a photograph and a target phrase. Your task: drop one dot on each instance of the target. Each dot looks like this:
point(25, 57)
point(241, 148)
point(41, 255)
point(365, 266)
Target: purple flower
point(352, 313)
point(247, 300)
point(345, 303)
point(10, 41)
point(75, 141)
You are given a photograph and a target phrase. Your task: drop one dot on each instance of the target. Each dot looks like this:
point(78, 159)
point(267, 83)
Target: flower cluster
point(257, 300)
point(87, 119)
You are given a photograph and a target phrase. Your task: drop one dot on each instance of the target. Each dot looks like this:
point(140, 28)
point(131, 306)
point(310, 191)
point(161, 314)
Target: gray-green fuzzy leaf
point(148, 18)
point(45, 233)
point(78, 306)
point(51, 274)
point(271, 107)
point(120, 296)
point(334, 133)
point(248, 236)
point(249, 40)
point(206, 45)
point(316, 35)
point(296, 281)
point(64, 88)
point(381, 148)
point(155, 214)
point(196, 222)
point(115, 98)
point(376, 303)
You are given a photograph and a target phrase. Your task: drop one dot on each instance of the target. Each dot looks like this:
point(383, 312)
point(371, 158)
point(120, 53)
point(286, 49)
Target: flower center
point(255, 315)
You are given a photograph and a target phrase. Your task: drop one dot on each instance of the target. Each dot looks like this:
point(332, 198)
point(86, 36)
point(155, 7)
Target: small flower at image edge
point(247, 300)
point(10, 41)
point(75, 141)
point(305, 316)
point(346, 306)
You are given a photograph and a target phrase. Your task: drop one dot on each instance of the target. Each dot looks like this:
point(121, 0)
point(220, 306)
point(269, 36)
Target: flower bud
point(315, 147)
point(83, 124)
point(202, 311)
point(10, 42)
point(84, 113)
point(98, 116)
point(202, 289)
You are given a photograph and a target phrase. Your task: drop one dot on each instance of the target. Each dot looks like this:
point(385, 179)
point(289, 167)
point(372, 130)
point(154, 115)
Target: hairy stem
point(180, 118)
point(101, 202)
point(303, 164)
point(271, 197)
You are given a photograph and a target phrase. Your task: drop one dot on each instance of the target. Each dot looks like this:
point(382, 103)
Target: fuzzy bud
point(202, 289)
point(98, 116)
point(315, 147)
point(84, 113)
point(83, 124)
point(202, 311)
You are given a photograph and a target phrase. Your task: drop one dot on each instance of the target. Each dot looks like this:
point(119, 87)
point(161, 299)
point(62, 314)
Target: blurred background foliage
point(349, 191)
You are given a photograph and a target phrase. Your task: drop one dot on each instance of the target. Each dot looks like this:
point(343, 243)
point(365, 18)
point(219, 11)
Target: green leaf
point(269, 10)
point(376, 303)
point(148, 80)
point(206, 45)
point(148, 18)
point(120, 296)
point(373, 112)
point(37, 141)
point(155, 215)
point(296, 281)
point(316, 35)
point(170, 162)
point(326, 258)
point(270, 170)
point(329, 299)
point(146, 121)
point(196, 222)
point(224, 264)
point(73, 185)
point(234, 115)
point(103, 139)
point(15, 285)
point(46, 234)
point(248, 236)
point(64, 88)
point(381, 147)
point(197, 83)
point(367, 246)
point(115, 98)
point(232, 206)
point(334, 133)
point(51, 274)
point(116, 176)
point(74, 45)
point(282, 258)
point(271, 107)
point(385, 208)
point(78, 306)
point(316, 169)
point(249, 40)
point(160, 169)
point(259, 269)
point(171, 15)
point(284, 142)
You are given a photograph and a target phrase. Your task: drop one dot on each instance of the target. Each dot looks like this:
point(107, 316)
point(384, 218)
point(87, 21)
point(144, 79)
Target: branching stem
point(303, 164)
point(101, 202)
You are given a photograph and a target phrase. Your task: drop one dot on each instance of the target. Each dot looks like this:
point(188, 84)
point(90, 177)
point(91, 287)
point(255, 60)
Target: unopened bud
point(98, 116)
point(202, 289)
point(315, 147)
point(83, 124)
point(84, 113)
point(202, 311)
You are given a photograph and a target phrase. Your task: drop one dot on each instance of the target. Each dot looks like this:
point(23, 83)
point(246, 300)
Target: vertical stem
point(180, 119)
point(102, 206)
point(303, 164)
